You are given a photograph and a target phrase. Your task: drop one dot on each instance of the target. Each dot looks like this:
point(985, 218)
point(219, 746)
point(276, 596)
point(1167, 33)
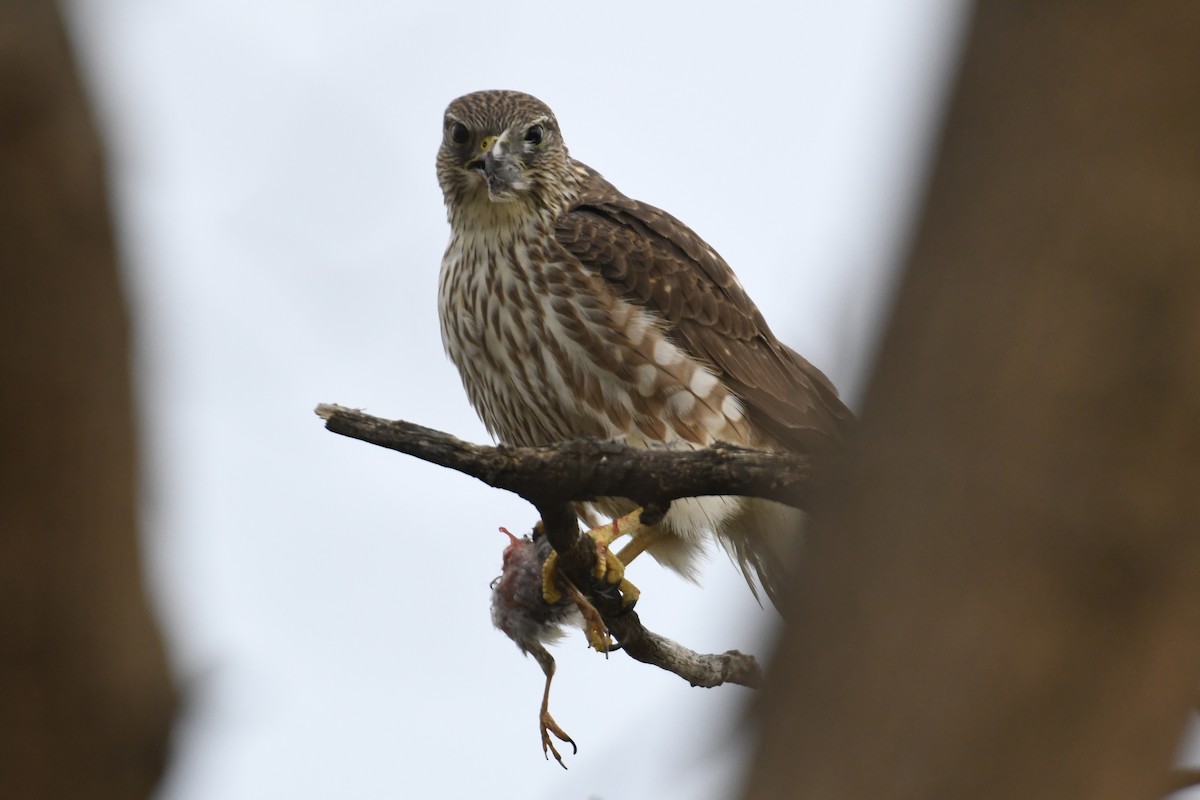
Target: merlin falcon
point(572, 311)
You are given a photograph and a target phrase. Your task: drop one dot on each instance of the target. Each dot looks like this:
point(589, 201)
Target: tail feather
point(765, 539)
point(762, 537)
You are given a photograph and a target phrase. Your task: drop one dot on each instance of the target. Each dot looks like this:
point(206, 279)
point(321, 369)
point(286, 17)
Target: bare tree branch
point(576, 558)
point(590, 468)
point(551, 478)
point(707, 671)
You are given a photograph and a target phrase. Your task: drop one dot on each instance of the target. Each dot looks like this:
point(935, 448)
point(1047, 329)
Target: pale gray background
point(326, 602)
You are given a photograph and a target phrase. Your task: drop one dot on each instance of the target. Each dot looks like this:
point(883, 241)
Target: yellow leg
point(610, 567)
point(550, 590)
point(643, 541)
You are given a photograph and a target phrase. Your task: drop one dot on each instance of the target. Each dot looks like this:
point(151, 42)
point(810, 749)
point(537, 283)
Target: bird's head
point(514, 544)
point(502, 148)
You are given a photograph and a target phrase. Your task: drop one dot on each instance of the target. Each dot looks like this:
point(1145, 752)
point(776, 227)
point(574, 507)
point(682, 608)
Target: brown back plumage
point(654, 259)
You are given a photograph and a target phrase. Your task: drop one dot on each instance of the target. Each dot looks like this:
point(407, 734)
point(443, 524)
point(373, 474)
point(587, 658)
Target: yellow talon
point(629, 593)
point(609, 566)
point(550, 590)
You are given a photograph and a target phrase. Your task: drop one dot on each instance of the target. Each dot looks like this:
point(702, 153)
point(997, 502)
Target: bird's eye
point(534, 135)
point(459, 133)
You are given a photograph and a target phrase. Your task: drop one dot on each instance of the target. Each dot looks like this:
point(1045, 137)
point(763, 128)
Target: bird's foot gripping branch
point(554, 477)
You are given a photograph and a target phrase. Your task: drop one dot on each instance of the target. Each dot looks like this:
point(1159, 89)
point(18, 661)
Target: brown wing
point(656, 260)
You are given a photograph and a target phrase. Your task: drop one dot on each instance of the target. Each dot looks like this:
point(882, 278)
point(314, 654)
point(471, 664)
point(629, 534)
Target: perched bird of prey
point(573, 311)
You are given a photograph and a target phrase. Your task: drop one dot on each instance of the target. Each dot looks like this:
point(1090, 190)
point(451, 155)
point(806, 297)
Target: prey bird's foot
point(593, 624)
point(549, 726)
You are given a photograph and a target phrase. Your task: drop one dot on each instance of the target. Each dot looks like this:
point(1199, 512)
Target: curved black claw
point(549, 726)
point(612, 592)
point(606, 590)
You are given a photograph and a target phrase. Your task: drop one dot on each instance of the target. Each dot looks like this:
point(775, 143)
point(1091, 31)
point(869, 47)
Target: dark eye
point(459, 133)
point(534, 135)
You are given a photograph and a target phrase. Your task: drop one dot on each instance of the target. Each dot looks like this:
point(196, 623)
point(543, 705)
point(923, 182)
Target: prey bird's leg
point(546, 723)
point(594, 627)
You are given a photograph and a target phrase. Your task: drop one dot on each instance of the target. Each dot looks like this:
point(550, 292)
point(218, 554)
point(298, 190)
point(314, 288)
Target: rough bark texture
point(85, 700)
point(589, 468)
point(1002, 601)
point(551, 477)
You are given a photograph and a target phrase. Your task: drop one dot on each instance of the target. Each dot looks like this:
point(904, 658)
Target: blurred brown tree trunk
point(1004, 598)
point(85, 700)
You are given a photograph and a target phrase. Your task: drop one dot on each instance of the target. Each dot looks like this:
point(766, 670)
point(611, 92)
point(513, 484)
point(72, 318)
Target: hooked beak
point(500, 169)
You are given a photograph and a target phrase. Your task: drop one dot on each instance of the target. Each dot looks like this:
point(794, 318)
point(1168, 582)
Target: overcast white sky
point(327, 602)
